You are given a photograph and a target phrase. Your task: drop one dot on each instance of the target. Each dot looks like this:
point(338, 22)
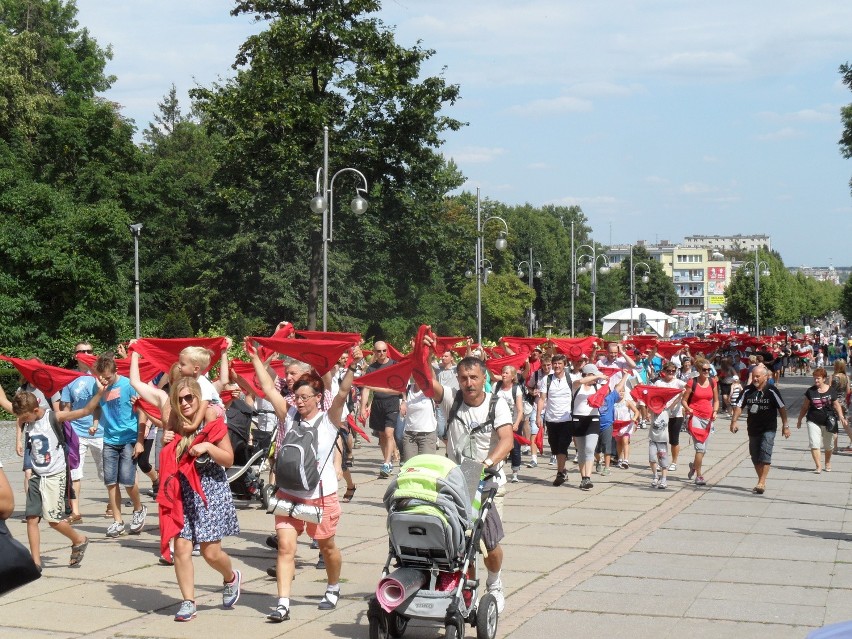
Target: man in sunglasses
point(89, 431)
point(384, 410)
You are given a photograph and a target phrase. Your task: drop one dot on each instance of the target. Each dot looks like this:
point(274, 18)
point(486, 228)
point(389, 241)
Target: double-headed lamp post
point(136, 230)
point(645, 279)
point(533, 267)
point(588, 263)
point(760, 268)
point(480, 267)
point(323, 202)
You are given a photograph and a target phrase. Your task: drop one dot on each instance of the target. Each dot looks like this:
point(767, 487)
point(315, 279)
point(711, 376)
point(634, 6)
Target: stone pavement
point(621, 559)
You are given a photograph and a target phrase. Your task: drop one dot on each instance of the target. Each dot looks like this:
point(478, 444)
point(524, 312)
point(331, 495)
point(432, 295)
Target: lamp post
point(531, 266)
point(757, 264)
point(323, 202)
point(645, 280)
point(136, 230)
point(589, 263)
point(479, 259)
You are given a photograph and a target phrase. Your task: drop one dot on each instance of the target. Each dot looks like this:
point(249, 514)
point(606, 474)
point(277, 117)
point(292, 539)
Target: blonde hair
point(177, 422)
point(198, 355)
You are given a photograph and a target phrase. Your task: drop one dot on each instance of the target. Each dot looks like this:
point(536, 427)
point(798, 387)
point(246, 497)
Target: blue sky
point(660, 118)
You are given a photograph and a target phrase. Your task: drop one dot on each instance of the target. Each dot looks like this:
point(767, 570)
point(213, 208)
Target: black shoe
point(281, 613)
point(272, 571)
point(272, 541)
point(321, 563)
point(560, 478)
point(586, 483)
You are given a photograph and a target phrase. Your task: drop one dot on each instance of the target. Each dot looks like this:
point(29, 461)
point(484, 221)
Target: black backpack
point(457, 402)
point(297, 466)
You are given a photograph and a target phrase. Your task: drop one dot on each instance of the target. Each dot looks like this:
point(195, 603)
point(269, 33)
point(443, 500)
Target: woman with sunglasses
point(308, 393)
point(194, 497)
point(700, 407)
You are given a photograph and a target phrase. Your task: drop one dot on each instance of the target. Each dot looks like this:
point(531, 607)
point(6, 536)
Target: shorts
point(586, 425)
point(418, 443)
point(96, 445)
point(326, 529)
point(559, 436)
point(658, 453)
point(606, 443)
point(383, 414)
point(46, 497)
point(819, 437)
point(675, 424)
point(119, 465)
point(760, 447)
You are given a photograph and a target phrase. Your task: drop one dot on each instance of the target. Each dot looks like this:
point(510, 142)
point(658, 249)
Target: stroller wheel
point(452, 631)
point(266, 495)
point(486, 617)
point(379, 626)
point(396, 625)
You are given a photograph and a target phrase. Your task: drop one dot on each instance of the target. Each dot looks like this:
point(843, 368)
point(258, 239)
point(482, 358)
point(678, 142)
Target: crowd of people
point(492, 405)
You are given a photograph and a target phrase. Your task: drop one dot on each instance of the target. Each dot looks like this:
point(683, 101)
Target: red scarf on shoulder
point(169, 496)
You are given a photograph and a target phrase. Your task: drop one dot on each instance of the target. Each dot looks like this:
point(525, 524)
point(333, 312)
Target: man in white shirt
point(555, 396)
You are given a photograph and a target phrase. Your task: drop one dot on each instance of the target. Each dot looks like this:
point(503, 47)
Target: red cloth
point(48, 379)
point(285, 332)
point(394, 377)
point(623, 428)
point(147, 371)
point(422, 370)
point(393, 353)
point(706, 346)
point(699, 428)
point(443, 344)
point(163, 352)
point(319, 353)
point(668, 349)
point(149, 408)
point(169, 496)
point(353, 424)
point(495, 366)
point(353, 338)
point(654, 397)
point(246, 371)
point(539, 439)
point(523, 441)
point(574, 347)
point(461, 351)
point(523, 344)
point(701, 397)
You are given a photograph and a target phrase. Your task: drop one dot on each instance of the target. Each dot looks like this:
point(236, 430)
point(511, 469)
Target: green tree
point(321, 62)
point(845, 305)
point(846, 116)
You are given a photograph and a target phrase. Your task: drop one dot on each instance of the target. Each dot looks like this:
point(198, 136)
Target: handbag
point(16, 564)
point(831, 422)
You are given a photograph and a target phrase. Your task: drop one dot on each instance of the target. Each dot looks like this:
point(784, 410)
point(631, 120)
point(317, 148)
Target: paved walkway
point(622, 559)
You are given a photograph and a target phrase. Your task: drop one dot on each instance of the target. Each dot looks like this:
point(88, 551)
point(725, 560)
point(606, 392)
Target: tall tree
point(318, 63)
point(846, 116)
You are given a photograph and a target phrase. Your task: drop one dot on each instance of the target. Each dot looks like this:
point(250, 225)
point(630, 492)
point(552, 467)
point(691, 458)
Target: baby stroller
point(251, 461)
point(434, 532)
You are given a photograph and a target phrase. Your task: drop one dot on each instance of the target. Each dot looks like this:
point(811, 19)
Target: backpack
point(297, 466)
point(68, 439)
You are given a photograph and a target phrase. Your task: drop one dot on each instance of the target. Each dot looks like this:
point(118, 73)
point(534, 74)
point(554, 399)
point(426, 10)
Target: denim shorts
point(760, 447)
point(119, 465)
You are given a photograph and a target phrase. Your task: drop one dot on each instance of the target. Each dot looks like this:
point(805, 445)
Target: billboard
point(716, 301)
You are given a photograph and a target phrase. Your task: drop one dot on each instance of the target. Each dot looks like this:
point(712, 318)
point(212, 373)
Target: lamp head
point(359, 204)
point(520, 273)
point(501, 243)
point(136, 229)
point(645, 279)
point(765, 272)
point(318, 204)
point(468, 273)
point(604, 269)
point(538, 273)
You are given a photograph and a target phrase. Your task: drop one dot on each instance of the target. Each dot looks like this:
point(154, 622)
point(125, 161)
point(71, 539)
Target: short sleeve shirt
point(117, 416)
point(760, 408)
point(77, 394)
point(558, 398)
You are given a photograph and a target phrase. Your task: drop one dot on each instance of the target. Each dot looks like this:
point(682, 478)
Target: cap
point(538, 348)
point(591, 369)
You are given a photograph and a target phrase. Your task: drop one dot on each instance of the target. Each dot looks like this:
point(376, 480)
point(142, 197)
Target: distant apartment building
point(746, 243)
point(699, 278)
point(819, 273)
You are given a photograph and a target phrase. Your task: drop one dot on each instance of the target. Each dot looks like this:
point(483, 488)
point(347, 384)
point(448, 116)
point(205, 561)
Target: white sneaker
point(673, 467)
point(655, 481)
point(138, 522)
point(496, 589)
point(515, 479)
point(552, 460)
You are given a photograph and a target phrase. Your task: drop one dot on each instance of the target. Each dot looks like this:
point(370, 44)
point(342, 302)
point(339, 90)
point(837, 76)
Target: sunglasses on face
point(186, 399)
point(705, 370)
point(381, 350)
point(84, 350)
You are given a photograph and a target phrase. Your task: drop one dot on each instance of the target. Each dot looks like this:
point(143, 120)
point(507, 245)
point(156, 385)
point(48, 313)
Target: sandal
point(77, 553)
point(349, 494)
point(758, 490)
point(74, 519)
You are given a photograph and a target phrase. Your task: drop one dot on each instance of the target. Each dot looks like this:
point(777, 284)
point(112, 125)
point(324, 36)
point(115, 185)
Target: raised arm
point(265, 380)
point(339, 401)
point(155, 396)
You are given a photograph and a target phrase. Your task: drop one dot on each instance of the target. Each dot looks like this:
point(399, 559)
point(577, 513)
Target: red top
point(701, 399)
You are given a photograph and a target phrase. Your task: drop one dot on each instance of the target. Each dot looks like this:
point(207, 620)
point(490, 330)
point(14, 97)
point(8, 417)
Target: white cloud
point(786, 133)
point(824, 113)
point(552, 106)
point(476, 154)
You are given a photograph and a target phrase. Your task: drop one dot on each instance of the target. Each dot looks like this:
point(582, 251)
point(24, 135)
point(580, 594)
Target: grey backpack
point(297, 466)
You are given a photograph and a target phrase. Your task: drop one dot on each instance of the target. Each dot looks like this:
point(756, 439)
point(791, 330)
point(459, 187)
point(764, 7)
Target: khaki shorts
point(46, 497)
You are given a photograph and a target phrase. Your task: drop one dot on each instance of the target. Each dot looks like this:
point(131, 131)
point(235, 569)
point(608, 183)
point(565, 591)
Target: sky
point(660, 118)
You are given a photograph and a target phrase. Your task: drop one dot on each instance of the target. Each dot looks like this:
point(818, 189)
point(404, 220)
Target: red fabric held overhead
point(48, 379)
point(162, 352)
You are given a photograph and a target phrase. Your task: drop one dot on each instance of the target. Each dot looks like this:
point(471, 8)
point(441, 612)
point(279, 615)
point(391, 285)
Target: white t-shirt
point(326, 436)
point(208, 391)
point(558, 399)
point(581, 401)
point(419, 413)
point(461, 443)
point(47, 454)
point(507, 395)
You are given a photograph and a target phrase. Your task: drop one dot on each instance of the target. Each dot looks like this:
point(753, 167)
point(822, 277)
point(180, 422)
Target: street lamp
point(645, 280)
point(136, 230)
point(323, 202)
point(588, 263)
point(531, 266)
point(760, 268)
point(479, 260)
